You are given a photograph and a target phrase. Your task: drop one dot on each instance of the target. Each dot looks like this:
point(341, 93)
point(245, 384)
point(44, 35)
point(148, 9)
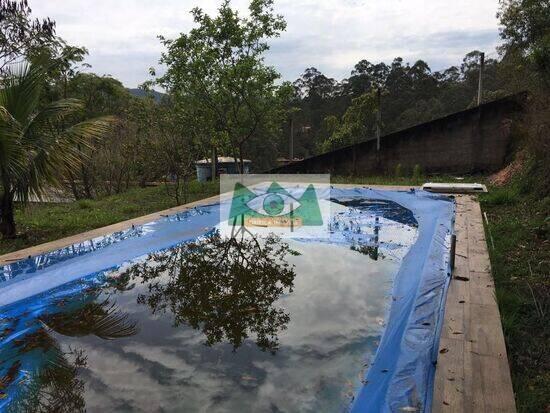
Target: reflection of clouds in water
point(339, 295)
point(311, 383)
point(117, 382)
point(141, 378)
point(341, 299)
point(328, 334)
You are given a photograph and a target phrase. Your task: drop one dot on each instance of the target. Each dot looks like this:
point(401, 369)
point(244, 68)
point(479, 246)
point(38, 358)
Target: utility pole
point(480, 85)
point(291, 138)
point(214, 163)
point(378, 118)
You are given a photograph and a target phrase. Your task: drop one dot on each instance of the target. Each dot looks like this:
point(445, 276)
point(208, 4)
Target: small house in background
point(225, 165)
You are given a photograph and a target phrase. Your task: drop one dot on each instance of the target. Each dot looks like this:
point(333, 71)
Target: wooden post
point(480, 85)
point(453, 251)
point(378, 119)
point(291, 138)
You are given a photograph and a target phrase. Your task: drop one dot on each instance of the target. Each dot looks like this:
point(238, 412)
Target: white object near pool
point(454, 188)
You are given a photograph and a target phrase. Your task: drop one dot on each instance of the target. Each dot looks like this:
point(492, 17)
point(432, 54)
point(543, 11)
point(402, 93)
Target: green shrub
point(501, 196)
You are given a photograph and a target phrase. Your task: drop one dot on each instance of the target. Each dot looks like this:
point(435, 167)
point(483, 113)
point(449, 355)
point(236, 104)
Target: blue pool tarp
point(401, 375)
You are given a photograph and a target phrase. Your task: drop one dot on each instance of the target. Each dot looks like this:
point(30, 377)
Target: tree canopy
point(217, 76)
point(526, 26)
point(20, 35)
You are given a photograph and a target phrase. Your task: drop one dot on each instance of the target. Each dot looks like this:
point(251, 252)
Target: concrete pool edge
point(482, 390)
point(50, 246)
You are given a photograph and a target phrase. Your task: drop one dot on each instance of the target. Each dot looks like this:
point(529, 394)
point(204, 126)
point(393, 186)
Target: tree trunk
point(74, 189)
point(142, 181)
point(177, 188)
point(7, 219)
point(85, 183)
point(237, 163)
point(354, 163)
point(185, 188)
point(214, 162)
point(72, 184)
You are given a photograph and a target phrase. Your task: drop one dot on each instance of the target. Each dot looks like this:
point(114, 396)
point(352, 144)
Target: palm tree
point(37, 142)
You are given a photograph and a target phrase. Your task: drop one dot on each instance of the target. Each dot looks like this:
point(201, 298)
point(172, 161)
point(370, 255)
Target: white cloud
point(330, 35)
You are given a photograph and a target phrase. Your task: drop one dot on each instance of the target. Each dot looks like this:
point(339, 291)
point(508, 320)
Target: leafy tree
point(329, 127)
point(177, 151)
point(357, 124)
point(315, 86)
point(526, 26)
point(106, 167)
point(526, 64)
point(91, 315)
point(56, 387)
point(62, 62)
point(319, 96)
point(412, 94)
point(366, 76)
point(19, 34)
point(142, 119)
point(217, 72)
point(53, 384)
point(37, 143)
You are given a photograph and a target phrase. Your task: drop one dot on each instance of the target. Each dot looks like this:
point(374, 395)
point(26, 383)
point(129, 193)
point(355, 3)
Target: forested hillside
point(141, 93)
point(338, 113)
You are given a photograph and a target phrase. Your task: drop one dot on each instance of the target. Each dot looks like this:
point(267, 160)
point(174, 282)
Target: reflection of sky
point(337, 311)
point(336, 308)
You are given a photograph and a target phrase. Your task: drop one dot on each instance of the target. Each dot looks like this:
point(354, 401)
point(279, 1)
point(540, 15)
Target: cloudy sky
point(331, 35)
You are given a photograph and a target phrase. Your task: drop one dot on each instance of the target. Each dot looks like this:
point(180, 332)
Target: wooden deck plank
point(449, 390)
point(484, 331)
point(478, 353)
point(491, 385)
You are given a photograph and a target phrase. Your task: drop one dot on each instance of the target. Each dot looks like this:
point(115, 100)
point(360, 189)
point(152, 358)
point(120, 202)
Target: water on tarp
point(292, 327)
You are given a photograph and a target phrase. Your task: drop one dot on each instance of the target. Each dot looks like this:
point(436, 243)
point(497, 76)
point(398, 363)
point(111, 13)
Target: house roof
point(221, 159)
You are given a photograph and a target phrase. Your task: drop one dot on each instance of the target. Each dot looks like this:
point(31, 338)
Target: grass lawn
point(519, 226)
point(39, 223)
point(404, 180)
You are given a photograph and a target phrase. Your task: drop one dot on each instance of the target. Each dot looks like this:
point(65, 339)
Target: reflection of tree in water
point(53, 385)
point(101, 319)
point(225, 287)
point(370, 250)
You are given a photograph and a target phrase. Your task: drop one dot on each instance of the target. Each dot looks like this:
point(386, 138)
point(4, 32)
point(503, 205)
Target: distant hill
point(142, 93)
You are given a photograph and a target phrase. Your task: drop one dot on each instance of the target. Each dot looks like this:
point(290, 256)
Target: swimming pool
point(157, 318)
